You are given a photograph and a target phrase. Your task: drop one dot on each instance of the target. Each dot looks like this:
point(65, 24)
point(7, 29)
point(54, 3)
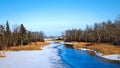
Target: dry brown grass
point(2, 54)
point(106, 49)
point(32, 46)
point(59, 40)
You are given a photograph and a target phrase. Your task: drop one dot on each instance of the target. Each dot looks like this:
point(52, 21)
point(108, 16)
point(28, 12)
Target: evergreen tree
point(22, 34)
point(2, 34)
point(8, 34)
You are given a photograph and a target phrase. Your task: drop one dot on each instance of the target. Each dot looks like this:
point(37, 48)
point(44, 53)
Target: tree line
point(105, 32)
point(18, 36)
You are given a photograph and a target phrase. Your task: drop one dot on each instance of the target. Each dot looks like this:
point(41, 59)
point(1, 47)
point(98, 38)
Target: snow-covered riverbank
point(114, 57)
point(31, 59)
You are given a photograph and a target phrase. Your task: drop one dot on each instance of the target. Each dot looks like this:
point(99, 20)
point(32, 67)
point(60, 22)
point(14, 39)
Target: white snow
point(109, 57)
point(30, 59)
point(84, 49)
point(68, 43)
point(112, 57)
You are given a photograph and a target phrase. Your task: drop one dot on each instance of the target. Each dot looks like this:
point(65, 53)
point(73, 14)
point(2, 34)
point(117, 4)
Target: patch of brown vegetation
point(2, 54)
point(59, 40)
point(105, 49)
point(32, 46)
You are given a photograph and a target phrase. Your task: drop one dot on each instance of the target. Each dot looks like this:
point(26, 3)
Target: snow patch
point(109, 57)
point(31, 59)
point(84, 49)
point(112, 57)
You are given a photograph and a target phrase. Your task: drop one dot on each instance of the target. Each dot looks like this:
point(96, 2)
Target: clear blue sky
point(55, 16)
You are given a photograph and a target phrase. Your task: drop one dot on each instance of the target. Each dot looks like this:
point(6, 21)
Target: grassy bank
point(105, 49)
point(29, 47)
point(32, 46)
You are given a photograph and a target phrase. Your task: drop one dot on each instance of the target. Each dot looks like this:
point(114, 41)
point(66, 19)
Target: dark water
point(71, 58)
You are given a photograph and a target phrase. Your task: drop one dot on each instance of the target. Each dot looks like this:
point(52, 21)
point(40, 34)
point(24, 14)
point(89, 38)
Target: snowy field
point(31, 59)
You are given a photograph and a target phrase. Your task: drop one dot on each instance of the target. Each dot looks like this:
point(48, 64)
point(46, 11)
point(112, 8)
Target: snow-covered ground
point(31, 59)
point(112, 57)
point(109, 57)
point(84, 49)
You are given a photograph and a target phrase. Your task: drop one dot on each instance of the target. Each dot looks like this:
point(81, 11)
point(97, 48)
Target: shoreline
point(33, 47)
point(111, 58)
point(115, 58)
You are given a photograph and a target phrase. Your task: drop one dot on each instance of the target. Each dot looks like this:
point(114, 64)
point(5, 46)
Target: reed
point(105, 49)
point(32, 46)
